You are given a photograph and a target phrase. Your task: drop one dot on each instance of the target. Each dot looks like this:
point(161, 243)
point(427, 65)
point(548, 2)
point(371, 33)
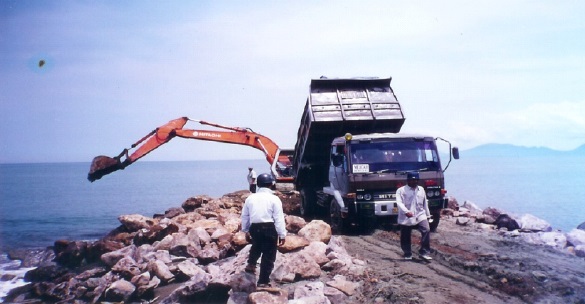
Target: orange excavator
point(279, 160)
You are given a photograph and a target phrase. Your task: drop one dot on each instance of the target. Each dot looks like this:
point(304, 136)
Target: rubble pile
point(194, 253)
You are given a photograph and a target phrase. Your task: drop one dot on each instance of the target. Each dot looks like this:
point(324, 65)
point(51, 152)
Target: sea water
point(42, 203)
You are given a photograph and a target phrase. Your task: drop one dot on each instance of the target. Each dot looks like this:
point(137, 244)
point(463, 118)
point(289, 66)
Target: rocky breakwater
point(527, 227)
point(194, 254)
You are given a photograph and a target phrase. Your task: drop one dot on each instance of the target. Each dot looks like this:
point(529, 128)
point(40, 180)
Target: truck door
point(338, 169)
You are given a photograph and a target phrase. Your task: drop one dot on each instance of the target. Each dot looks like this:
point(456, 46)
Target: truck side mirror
point(455, 151)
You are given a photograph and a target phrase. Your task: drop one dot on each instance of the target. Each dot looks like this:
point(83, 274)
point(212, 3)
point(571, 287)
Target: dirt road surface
point(470, 265)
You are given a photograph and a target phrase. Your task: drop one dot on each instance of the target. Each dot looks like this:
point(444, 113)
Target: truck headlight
point(367, 196)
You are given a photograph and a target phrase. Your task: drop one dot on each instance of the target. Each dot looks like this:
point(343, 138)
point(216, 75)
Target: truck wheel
point(307, 204)
point(335, 220)
point(436, 220)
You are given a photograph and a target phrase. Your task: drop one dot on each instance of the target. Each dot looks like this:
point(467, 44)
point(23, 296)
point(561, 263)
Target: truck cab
point(366, 170)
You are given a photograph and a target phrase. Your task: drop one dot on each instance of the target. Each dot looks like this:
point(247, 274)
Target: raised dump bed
point(338, 106)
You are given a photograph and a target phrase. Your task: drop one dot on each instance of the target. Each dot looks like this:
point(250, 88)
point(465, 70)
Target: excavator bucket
point(103, 165)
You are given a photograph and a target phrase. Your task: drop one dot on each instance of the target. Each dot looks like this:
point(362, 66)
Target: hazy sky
point(472, 72)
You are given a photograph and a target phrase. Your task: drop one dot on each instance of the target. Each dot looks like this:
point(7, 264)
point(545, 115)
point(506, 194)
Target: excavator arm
point(278, 159)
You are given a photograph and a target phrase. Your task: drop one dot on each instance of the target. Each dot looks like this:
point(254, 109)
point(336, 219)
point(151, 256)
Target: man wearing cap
point(413, 213)
point(252, 179)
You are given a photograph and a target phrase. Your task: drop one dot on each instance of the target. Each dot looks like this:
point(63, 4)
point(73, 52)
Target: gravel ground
point(470, 265)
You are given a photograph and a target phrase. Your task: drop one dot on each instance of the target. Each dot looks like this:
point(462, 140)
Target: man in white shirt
point(413, 213)
point(252, 179)
point(263, 223)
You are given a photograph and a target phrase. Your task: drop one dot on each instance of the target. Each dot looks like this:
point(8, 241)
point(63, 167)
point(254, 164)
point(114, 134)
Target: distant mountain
point(512, 150)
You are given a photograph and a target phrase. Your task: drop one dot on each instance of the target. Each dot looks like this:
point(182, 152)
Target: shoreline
point(461, 215)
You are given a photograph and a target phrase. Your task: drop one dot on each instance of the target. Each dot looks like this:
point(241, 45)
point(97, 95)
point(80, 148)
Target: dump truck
point(350, 157)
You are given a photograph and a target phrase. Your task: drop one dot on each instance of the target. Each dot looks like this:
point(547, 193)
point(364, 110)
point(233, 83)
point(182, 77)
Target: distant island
point(513, 150)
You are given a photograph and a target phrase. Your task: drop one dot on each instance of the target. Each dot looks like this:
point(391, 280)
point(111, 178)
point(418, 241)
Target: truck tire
point(337, 223)
point(436, 220)
point(307, 207)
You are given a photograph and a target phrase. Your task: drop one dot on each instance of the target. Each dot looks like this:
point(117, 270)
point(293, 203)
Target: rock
point(147, 289)
point(452, 203)
point(304, 266)
point(576, 237)
point(554, 239)
point(505, 221)
point(335, 295)
point(264, 297)
point(239, 240)
point(120, 290)
point(317, 251)
point(345, 286)
point(97, 248)
point(32, 258)
point(580, 251)
point(70, 254)
point(581, 226)
point(310, 293)
point(294, 223)
point(188, 290)
point(173, 212)
point(195, 202)
point(316, 230)
point(187, 269)
point(126, 268)
point(491, 214)
point(472, 207)
point(201, 233)
point(462, 221)
point(292, 243)
point(45, 273)
point(530, 222)
point(111, 258)
point(155, 233)
point(135, 222)
point(161, 270)
point(209, 254)
point(184, 245)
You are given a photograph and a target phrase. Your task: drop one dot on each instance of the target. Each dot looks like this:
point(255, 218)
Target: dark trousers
point(264, 242)
point(253, 188)
point(425, 239)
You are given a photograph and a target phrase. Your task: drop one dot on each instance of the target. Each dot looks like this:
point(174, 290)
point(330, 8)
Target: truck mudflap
point(366, 216)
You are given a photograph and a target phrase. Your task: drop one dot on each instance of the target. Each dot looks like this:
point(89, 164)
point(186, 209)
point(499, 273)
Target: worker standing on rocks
point(413, 213)
point(252, 179)
point(263, 223)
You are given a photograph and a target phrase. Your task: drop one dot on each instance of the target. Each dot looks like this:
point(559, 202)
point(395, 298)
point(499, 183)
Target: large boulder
point(135, 222)
point(119, 291)
point(576, 237)
point(506, 221)
point(70, 254)
point(531, 223)
point(294, 223)
point(316, 230)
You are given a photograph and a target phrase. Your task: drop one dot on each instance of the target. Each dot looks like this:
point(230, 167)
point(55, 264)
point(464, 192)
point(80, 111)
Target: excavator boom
point(279, 160)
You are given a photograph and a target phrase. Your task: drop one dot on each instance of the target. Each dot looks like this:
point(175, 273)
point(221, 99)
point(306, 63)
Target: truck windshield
point(392, 156)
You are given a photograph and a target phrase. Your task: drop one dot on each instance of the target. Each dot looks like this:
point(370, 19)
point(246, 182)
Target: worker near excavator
point(252, 179)
point(413, 213)
point(263, 223)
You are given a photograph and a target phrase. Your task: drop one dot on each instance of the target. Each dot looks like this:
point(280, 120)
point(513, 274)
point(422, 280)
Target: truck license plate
point(361, 168)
